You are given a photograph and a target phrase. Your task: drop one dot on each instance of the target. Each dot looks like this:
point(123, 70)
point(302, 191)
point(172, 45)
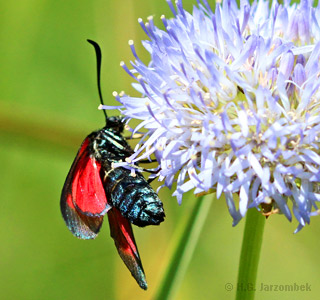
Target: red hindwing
point(121, 232)
point(83, 200)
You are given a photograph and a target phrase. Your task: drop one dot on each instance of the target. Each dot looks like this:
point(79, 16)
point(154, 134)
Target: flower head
point(230, 102)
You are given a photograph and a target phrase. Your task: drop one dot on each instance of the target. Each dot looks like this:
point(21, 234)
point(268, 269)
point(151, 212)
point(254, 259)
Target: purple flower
point(230, 103)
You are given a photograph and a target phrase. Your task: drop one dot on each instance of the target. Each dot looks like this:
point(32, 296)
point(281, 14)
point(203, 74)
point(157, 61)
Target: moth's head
point(115, 123)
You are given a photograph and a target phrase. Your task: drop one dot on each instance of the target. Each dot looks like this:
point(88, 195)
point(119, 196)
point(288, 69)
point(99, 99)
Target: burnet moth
point(94, 188)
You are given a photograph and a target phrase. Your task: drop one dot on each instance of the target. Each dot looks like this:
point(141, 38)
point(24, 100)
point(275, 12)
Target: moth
point(93, 188)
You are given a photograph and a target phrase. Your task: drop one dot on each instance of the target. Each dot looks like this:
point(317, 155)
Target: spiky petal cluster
point(230, 102)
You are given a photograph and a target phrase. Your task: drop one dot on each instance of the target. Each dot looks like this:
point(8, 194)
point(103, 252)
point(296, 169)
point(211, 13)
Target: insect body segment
point(134, 198)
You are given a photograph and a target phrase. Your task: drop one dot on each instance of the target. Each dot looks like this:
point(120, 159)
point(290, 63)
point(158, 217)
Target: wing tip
point(142, 281)
point(135, 267)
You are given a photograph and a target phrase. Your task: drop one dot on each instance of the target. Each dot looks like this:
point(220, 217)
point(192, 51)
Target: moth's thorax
point(108, 144)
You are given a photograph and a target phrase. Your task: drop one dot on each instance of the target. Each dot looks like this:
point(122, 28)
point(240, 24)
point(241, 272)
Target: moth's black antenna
point(99, 56)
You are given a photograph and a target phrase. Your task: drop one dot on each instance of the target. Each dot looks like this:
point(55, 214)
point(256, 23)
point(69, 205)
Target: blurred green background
point(48, 105)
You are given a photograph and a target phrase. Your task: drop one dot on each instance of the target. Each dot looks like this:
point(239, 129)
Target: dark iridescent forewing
point(82, 226)
point(80, 204)
point(121, 232)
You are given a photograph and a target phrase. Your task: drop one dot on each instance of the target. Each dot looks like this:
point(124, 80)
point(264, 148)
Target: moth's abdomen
point(134, 197)
point(139, 203)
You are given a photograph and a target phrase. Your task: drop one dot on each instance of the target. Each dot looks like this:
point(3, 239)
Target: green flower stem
point(250, 253)
point(188, 236)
